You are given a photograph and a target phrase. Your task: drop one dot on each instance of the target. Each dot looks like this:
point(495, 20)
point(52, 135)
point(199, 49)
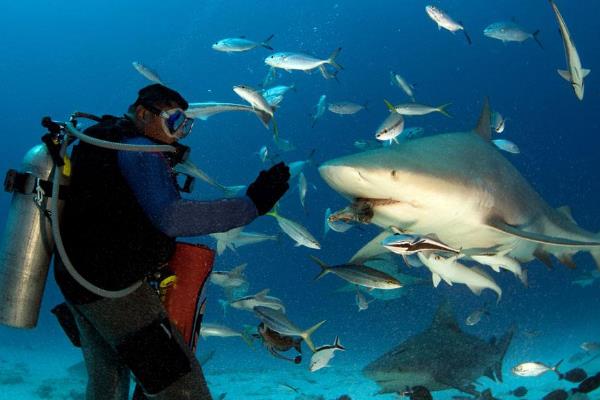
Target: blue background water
point(58, 57)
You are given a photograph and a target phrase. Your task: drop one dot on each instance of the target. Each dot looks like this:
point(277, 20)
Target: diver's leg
point(108, 377)
point(137, 328)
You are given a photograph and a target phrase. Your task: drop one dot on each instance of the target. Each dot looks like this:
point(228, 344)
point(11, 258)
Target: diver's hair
point(157, 95)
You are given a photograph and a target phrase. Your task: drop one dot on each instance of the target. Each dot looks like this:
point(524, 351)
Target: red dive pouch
point(183, 291)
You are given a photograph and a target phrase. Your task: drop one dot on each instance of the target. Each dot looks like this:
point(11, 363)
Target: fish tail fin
point(265, 43)
point(596, 253)
point(502, 347)
point(466, 34)
point(306, 335)
point(331, 60)
point(274, 212)
point(264, 118)
point(247, 336)
point(324, 267)
point(337, 344)
point(232, 191)
point(390, 106)
point(221, 245)
point(442, 109)
point(534, 35)
point(555, 369)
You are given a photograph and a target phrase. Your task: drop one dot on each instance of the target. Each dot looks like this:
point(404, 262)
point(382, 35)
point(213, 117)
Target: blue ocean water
point(59, 57)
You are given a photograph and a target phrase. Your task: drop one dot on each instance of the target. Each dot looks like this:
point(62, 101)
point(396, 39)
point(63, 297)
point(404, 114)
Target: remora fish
point(147, 72)
point(452, 271)
point(408, 244)
point(423, 359)
point(303, 62)
point(231, 45)
point(260, 299)
point(188, 168)
point(443, 20)
point(279, 322)
point(205, 110)
point(324, 354)
point(509, 31)
point(417, 109)
point(398, 80)
point(460, 188)
point(236, 237)
point(297, 232)
point(575, 73)
point(360, 275)
point(229, 279)
point(501, 260)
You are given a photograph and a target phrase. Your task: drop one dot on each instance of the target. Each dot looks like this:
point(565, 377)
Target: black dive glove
point(269, 187)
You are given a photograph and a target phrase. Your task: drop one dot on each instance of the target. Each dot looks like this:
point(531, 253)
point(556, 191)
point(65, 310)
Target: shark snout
point(344, 179)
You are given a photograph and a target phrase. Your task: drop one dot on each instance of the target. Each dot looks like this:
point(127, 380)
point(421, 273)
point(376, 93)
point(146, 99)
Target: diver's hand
point(269, 187)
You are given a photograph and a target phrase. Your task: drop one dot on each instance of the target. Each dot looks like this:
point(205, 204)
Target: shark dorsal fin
point(484, 126)
point(444, 318)
point(566, 211)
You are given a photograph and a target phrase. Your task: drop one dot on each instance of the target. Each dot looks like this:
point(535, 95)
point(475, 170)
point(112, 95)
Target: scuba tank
point(32, 229)
point(27, 244)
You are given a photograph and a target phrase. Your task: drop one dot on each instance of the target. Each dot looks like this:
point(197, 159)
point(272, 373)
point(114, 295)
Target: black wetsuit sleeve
point(151, 179)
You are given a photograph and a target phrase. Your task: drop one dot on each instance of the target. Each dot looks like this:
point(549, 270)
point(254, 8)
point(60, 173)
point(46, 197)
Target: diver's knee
point(155, 357)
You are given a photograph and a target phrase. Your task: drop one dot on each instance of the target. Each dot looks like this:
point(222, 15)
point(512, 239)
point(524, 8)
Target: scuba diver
point(122, 214)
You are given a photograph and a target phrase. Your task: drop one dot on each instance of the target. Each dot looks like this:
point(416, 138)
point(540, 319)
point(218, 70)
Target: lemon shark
point(442, 357)
point(458, 187)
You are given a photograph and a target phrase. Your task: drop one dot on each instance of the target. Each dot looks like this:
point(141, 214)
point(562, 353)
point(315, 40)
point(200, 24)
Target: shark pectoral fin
point(371, 249)
point(501, 226)
point(585, 72)
point(566, 75)
point(436, 279)
point(476, 290)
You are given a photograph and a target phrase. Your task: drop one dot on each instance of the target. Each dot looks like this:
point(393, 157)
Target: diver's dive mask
point(177, 124)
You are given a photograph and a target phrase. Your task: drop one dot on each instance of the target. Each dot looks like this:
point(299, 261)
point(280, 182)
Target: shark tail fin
point(324, 267)
point(306, 335)
point(537, 40)
point(502, 347)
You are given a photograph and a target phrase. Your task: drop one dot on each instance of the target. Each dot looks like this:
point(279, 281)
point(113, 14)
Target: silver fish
point(398, 80)
point(297, 232)
point(359, 275)
point(188, 168)
point(229, 279)
point(575, 73)
point(345, 108)
point(147, 72)
point(475, 317)
point(254, 98)
point(443, 20)
point(532, 369)
point(260, 299)
point(417, 109)
point(319, 109)
point(236, 237)
point(508, 31)
point(263, 153)
point(284, 145)
point(506, 145)
point(207, 329)
point(361, 301)
point(390, 128)
point(303, 62)
point(279, 322)
point(302, 189)
point(240, 44)
point(498, 122)
point(205, 110)
point(334, 224)
point(324, 354)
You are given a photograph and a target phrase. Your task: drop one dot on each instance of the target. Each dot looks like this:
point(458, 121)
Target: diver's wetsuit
point(119, 225)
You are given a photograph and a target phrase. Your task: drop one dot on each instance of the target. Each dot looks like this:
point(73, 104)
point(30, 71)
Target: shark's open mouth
point(361, 210)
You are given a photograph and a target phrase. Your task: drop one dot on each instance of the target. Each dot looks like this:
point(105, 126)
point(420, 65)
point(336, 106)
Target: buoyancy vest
point(108, 237)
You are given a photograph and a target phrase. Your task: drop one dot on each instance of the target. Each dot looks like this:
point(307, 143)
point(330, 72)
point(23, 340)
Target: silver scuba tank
point(27, 244)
